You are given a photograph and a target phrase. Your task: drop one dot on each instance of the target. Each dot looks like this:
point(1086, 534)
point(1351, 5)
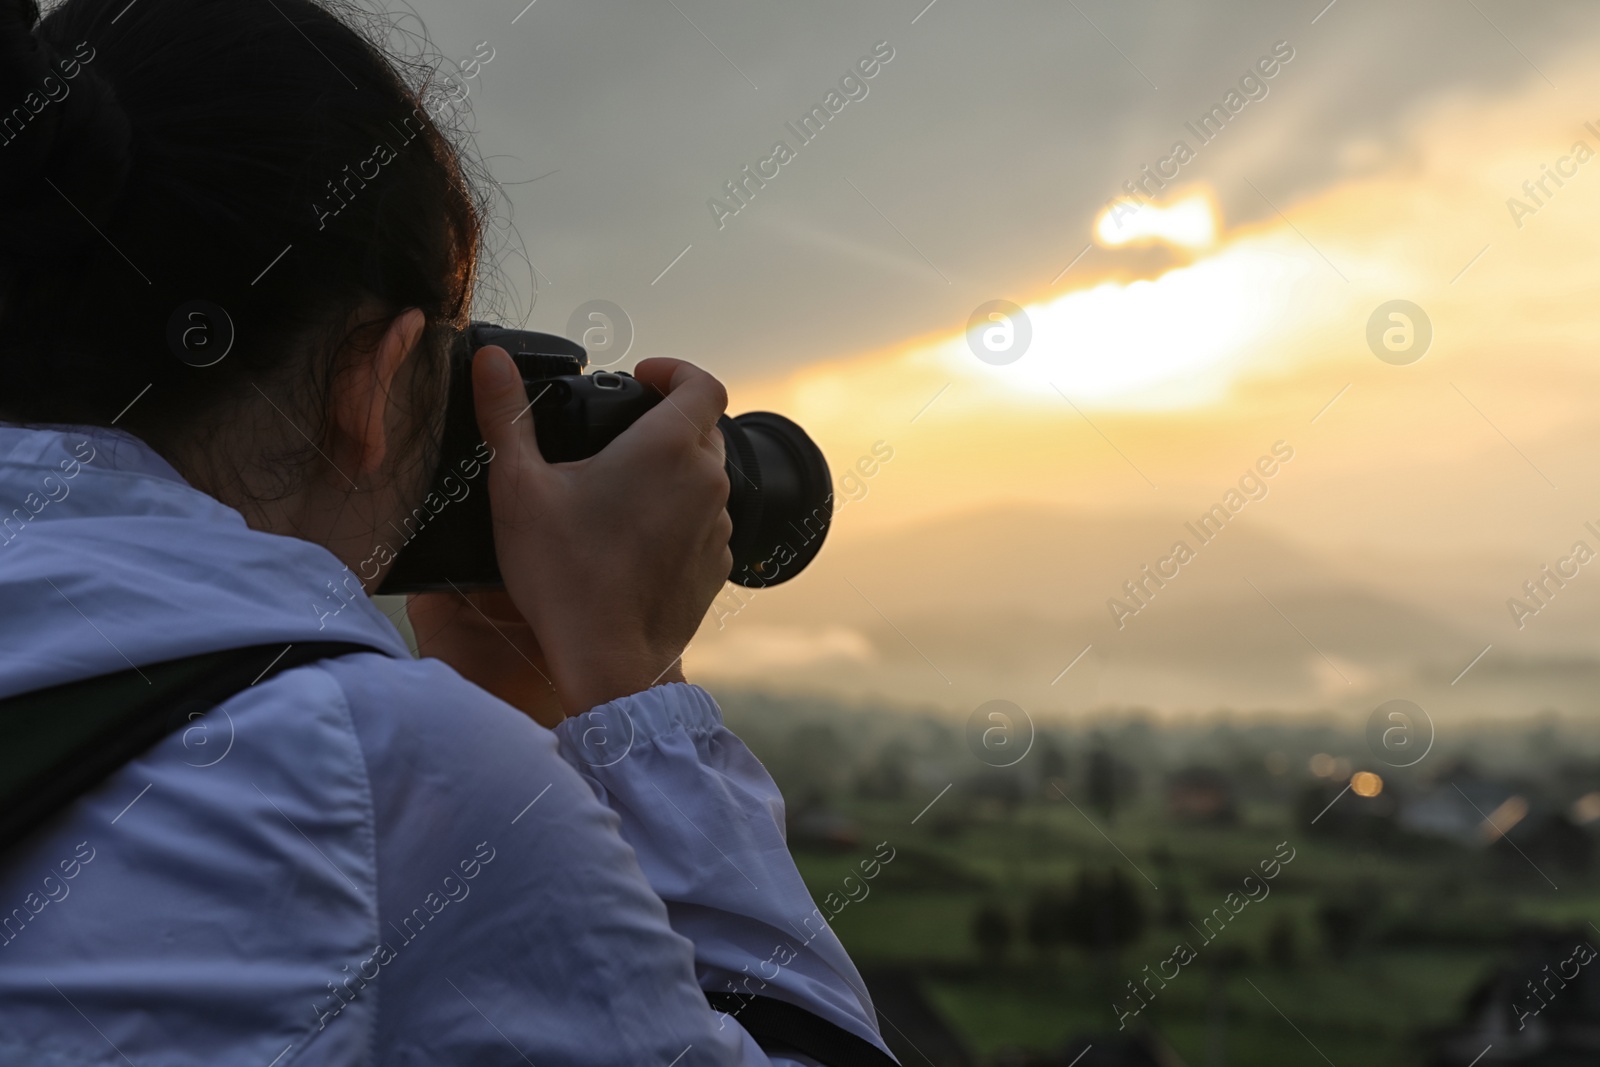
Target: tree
point(1175, 911)
point(1003, 787)
point(1345, 920)
point(1104, 913)
point(1052, 762)
point(1350, 915)
point(889, 776)
point(1103, 782)
point(991, 932)
point(1042, 922)
point(815, 760)
point(1281, 942)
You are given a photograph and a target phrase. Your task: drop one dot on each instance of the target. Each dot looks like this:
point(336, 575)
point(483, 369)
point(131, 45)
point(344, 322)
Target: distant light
point(1586, 809)
point(1326, 766)
point(1366, 784)
point(1190, 222)
point(1503, 818)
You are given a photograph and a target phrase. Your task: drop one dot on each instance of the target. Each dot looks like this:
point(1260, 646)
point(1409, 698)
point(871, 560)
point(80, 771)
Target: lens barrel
point(795, 494)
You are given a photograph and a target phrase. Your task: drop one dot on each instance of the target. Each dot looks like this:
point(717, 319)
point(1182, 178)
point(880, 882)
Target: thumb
point(505, 417)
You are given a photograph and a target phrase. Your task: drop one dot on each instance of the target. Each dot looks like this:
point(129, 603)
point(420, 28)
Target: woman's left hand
point(484, 638)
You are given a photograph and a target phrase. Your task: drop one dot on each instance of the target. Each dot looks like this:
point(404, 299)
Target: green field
point(1434, 917)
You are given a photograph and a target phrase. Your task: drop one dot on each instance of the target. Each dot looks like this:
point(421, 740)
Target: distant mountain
point(995, 604)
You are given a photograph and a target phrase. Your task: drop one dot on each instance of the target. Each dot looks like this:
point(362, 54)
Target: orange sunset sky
point(1159, 372)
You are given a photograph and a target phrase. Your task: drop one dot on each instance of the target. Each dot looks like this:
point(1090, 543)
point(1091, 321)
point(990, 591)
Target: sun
point(1165, 342)
point(1190, 221)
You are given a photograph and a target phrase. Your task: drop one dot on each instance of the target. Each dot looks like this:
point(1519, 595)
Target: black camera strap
point(58, 743)
point(779, 1027)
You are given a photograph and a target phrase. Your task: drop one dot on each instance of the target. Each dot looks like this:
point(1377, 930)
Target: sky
point(1219, 328)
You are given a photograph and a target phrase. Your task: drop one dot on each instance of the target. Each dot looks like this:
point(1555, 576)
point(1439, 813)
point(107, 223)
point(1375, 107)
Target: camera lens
point(780, 498)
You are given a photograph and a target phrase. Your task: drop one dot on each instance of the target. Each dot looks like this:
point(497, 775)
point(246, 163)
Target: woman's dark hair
point(263, 156)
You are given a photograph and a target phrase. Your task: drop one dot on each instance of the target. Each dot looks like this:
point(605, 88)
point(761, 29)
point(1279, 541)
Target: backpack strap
point(779, 1026)
point(58, 743)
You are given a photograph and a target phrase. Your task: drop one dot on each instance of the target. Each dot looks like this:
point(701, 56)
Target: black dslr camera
point(780, 496)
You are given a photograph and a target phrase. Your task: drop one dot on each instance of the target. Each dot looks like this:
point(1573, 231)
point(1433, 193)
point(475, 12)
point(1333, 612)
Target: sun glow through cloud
point(1179, 340)
point(1170, 341)
point(1189, 221)
point(1210, 346)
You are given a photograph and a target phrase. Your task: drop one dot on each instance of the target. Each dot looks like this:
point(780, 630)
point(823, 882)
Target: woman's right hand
point(613, 560)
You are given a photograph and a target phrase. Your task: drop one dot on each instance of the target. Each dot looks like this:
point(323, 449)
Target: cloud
point(750, 648)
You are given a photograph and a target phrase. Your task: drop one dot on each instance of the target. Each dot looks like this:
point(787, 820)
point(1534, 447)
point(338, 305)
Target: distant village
point(1505, 829)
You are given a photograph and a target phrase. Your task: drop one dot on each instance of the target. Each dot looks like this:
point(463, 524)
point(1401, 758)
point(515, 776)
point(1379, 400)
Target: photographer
point(537, 843)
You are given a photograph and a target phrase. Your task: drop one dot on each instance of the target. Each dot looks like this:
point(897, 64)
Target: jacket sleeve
point(706, 822)
point(514, 923)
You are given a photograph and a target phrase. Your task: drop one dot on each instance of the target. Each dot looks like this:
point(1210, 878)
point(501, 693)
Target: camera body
point(780, 491)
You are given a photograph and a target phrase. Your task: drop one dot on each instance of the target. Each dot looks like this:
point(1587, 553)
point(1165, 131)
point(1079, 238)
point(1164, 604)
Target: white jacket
point(365, 860)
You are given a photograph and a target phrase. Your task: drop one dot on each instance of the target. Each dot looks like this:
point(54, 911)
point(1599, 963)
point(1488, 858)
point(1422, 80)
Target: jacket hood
point(108, 558)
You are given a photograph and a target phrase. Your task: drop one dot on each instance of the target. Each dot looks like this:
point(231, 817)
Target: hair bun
point(62, 125)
